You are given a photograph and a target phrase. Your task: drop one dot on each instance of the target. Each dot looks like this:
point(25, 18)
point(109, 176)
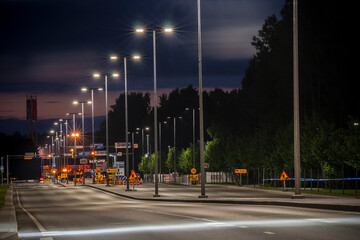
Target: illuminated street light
point(83, 124)
point(97, 75)
point(75, 135)
point(84, 89)
point(154, 30)
point(126, 115)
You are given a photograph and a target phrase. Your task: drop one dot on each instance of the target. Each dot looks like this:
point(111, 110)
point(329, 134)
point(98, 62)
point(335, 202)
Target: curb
point(348, 208)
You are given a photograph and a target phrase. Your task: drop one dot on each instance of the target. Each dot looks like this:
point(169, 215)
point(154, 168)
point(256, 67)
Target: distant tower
point(31, 117)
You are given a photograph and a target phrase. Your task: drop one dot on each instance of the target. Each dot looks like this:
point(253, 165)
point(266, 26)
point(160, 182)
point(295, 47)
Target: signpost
point(122, 145)
point(194, 177)
point(240, 171)
point(112, 170)
point(284, 177)
point(133, 177)
point(97, 146)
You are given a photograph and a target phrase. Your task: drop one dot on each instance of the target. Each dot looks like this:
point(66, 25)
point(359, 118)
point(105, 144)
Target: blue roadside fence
point(314, 179)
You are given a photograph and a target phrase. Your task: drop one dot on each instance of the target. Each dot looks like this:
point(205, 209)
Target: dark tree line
point(252, 127)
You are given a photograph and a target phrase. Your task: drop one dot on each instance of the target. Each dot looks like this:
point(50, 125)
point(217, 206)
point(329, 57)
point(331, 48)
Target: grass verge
point(334, 192)
point(3, 189)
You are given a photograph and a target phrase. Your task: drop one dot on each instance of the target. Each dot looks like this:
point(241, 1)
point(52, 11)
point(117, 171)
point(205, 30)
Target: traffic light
point(72, 152)
point(54, 171)
point(64, 170)
point(92, 153)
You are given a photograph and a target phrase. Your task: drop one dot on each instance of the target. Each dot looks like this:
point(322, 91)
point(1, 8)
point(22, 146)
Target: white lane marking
point(243, 226)
point(270, 233)
point(180, 215)
point(37, 223)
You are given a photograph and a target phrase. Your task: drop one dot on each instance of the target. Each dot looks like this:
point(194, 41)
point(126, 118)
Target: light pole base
point(156, 195)
point(203, 196)
point(297, 197)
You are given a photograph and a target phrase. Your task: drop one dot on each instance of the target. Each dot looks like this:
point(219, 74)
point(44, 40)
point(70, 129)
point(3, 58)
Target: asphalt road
point(54, 212)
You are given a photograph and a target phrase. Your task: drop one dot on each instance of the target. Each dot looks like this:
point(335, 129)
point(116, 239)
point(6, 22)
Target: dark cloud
point(55, 46)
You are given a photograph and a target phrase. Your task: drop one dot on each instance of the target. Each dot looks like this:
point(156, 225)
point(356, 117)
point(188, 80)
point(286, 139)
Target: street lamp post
point(296, 103)
point(160, 158)
point(75, 135)
point(126, 116)
point(74, 129)
point(97, 75)
point(148, 152)
point(83, 130)
point(92, 124)
point(143, 140)
point(175, 147)
point(167, 30)
point(201, 113)
point(193, 133)
point(65, 146)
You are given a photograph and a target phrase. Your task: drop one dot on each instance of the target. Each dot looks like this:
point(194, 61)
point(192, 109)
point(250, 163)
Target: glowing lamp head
point(84, 89)
point(168, 30)
point(136, 57)
point(115, 75)
point(139, 30)
point(75, 102)
point(64, 170)
point(96, 75)
point(113, 57)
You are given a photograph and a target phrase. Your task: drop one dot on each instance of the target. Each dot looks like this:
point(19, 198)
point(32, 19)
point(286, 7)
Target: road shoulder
point(8, 223)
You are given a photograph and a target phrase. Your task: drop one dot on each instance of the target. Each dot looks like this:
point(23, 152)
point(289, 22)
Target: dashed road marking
point(270, 233)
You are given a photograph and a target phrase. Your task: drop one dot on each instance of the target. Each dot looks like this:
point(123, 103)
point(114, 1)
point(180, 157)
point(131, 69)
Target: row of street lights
point(154, 31)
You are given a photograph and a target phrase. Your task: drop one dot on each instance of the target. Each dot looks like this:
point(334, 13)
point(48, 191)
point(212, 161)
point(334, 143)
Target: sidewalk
point(8, 224)
point(230, 195)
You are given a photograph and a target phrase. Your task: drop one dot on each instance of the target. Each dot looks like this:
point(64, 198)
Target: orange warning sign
point(133, 176)
point(284, 176)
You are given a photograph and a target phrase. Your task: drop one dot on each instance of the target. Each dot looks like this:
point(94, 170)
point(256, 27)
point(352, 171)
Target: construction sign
point(194, 177)
point(240, 170)
point(284, 176)
point(133, 176)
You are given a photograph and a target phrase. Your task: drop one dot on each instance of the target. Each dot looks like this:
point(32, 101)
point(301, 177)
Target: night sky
point(50, 48)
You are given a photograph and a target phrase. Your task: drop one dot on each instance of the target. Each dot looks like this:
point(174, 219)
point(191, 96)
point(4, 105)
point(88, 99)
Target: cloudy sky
point(50, 48)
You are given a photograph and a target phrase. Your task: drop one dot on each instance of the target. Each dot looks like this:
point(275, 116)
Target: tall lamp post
point(75, 135)
point(92, 124)
point(160, 158)
point(296, 103)
point(175, 145)
point(83, 129)
point(126, 115)
point(143, 140)
point(201, 113)
point(193, 132)
point(154, 30)
point(73, 130)
point(115, 75)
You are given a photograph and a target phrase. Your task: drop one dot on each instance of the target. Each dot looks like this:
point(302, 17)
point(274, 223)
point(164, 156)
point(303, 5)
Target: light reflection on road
point(196, 226)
